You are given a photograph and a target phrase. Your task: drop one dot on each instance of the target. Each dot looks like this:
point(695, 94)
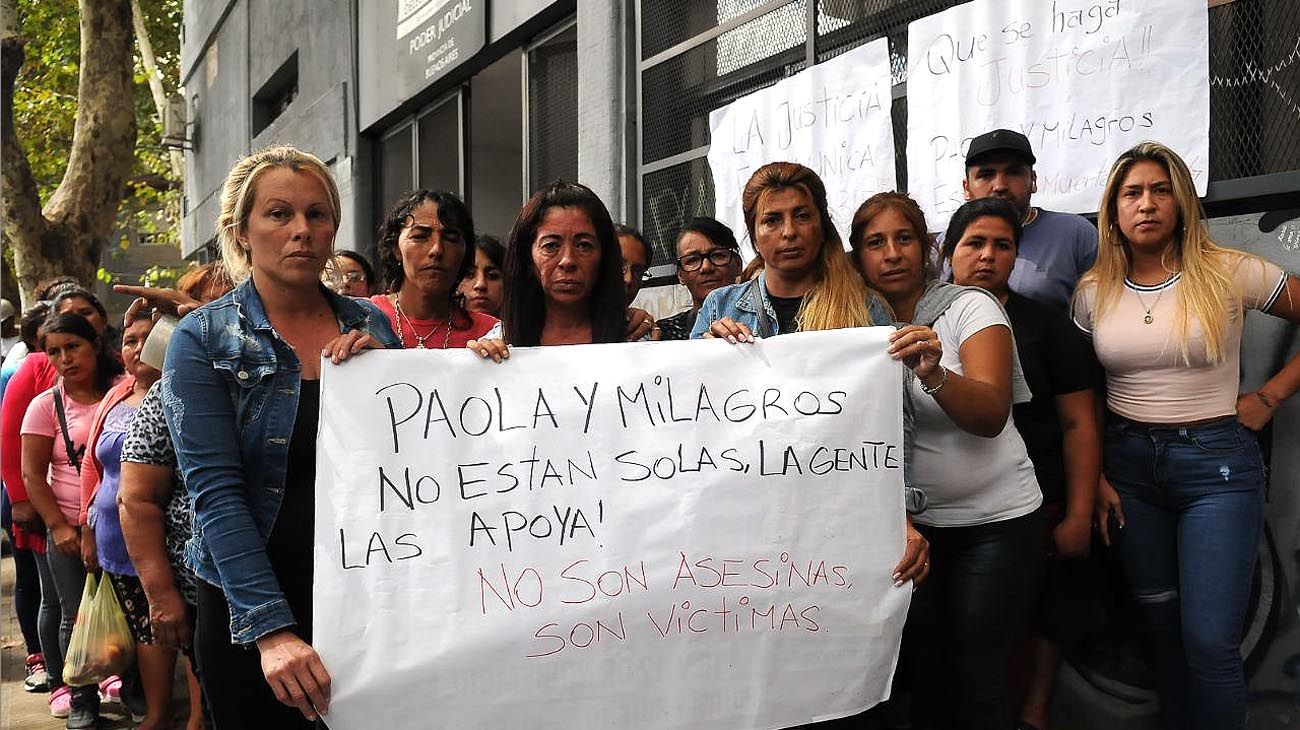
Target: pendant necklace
point(1148, 319)
point(420, 341)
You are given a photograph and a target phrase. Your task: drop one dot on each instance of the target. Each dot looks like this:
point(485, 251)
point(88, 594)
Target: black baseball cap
point(999, 140)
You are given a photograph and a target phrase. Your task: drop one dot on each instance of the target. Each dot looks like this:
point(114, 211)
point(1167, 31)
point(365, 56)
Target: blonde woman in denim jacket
point(241, 394)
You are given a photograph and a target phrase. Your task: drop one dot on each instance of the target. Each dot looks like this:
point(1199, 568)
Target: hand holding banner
point(667, 535)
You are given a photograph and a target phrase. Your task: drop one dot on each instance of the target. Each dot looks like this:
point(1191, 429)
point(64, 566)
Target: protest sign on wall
point(651, 535)
point(1084, 80)
point(833, 117)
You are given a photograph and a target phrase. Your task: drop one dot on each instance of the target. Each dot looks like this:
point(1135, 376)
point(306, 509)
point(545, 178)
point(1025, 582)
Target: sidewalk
point(21, 710)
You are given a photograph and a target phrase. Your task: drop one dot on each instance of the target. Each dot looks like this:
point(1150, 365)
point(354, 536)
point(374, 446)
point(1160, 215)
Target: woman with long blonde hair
point(1182, 491)
point(800, 281)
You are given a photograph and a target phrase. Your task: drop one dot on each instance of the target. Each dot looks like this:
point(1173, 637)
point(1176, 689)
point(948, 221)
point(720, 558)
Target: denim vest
point(748, 304)
point(230, 390)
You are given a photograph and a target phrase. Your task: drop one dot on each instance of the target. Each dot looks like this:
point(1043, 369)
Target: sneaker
point(110, 690)
point(82, 718)
point(61, 701)
point(84, 708)
point(38, 680)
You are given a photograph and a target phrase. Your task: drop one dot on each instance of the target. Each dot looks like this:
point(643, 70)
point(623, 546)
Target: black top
point(1056, 359)
point(786, 309)
point(678, 326)
point(293, 536)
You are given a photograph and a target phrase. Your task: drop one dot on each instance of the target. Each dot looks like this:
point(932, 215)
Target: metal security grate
point(1254, 88)
point(1254, 80)
point(669, 198)
point(678, 94)
point(553, 110)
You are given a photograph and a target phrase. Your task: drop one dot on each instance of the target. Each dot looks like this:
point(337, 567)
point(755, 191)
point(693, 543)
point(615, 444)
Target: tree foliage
point(45, 105)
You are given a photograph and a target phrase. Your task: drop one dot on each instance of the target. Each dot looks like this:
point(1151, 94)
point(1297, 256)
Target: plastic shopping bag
point(101, 644)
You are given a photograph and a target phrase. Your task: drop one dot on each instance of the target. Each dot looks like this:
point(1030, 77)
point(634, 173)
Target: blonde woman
point(800, 281)
point(1182, 492)
point(241, 393)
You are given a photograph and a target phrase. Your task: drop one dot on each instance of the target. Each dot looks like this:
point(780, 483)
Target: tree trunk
point(69, 233)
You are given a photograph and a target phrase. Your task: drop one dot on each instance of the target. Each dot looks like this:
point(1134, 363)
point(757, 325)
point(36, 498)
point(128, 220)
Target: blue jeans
point(1193, 499)
point(963, 620)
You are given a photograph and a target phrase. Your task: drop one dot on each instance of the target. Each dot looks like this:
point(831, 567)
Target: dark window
point(440, 147)
point(395, 176)
point(553, 110)
point(276, 94)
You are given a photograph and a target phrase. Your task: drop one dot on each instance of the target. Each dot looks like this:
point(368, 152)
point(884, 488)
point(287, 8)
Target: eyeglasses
point(693, 261)
point(637, 272)
point(352, 277)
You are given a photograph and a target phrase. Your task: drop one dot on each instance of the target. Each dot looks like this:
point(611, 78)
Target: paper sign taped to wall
point(653, 535)
point(834, 118)
point(1084, 80)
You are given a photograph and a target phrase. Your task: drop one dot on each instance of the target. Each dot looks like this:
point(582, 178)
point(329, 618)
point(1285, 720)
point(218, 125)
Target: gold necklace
point(420, 341)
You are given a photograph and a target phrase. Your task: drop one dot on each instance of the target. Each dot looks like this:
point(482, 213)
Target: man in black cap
point(1057, 247)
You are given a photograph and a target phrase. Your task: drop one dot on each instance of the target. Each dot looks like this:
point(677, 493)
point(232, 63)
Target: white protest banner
point(1084, 80)
point(652, 535)
point(833, 118)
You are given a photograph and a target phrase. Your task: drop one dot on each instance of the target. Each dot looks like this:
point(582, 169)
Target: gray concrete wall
point(230, 50)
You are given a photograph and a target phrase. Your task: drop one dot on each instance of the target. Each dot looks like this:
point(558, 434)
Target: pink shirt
point(1148, 378)
point(41, 420)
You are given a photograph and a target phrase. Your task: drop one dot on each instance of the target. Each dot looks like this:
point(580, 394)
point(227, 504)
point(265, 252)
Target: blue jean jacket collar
point(350, 314)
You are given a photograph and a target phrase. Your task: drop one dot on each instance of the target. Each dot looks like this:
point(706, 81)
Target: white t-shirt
point(968, 479)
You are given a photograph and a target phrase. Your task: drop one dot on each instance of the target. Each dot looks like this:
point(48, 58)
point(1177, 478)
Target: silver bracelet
point(935, 390)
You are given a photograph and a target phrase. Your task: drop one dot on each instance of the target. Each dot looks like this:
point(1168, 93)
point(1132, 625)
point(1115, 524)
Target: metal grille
point(669, 198)
point(678, 94)
point(553, 110)
point(1254, 88)
point(1254, 80)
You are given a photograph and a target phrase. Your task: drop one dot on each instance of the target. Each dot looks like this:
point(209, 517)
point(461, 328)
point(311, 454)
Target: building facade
point(492, 99)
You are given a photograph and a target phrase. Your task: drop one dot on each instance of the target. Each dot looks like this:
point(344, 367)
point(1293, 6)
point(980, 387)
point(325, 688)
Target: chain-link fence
point(751, 44)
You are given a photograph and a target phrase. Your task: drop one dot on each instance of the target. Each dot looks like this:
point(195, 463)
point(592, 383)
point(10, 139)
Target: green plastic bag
point(101, 644)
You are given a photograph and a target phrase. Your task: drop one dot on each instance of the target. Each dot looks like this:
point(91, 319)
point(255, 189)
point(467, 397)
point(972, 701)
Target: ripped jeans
point(1193, 499)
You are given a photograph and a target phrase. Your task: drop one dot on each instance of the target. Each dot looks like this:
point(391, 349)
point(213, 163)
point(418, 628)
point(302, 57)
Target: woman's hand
point(919, 349)
point(25, 516)
point(1072, 537)
point(339, 349)
point(494, 350)
point(915, 565)
point(730, 330)
point(1255, 409)
point(1108, 503)
point(295, 673)
point(89, 553)
point(639, 324)
point(167, 618)
point(166, 301)
point(67, 539)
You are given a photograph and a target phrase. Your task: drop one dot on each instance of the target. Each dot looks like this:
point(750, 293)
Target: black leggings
point(233, 684)
point(27, 585)
point(963, 619)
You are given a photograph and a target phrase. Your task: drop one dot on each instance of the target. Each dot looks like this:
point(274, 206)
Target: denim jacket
point(748, 304)
point(230, 390)
point(738, 302)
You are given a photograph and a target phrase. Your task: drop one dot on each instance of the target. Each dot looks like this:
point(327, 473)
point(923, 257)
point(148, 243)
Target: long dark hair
point(524, 309)
point(972, 211)
point(452, 213)
point(106, 366)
